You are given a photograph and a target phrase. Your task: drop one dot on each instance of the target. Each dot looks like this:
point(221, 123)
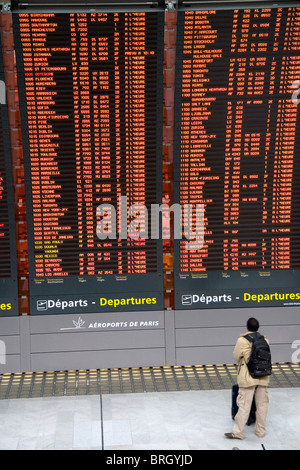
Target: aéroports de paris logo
point(78, 325)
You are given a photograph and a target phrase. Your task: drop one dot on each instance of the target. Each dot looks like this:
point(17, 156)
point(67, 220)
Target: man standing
point(249, 386)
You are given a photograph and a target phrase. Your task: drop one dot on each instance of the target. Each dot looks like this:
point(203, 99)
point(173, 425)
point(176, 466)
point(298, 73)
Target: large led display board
point(8, 259)
point(91, 95)
point(237, 154)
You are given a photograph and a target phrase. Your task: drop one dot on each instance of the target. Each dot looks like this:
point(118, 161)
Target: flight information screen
point(8, 260)
point(237, 155)
point(91, 87)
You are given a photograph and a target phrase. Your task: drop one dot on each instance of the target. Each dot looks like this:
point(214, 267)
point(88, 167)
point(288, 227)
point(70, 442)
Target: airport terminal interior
point(141, 409)
point(149, 206)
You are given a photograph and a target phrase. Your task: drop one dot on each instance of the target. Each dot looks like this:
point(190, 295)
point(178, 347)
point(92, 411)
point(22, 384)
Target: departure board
point(237, 154)
point(8, 259)
point(91, 88)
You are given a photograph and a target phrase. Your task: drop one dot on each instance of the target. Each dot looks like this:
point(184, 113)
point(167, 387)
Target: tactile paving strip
point(134, 380)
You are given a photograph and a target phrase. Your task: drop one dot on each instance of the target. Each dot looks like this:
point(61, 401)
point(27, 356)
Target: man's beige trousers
point(244, 401)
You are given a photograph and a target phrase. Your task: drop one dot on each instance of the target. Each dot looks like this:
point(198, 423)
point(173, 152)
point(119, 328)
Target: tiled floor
point(186, 420)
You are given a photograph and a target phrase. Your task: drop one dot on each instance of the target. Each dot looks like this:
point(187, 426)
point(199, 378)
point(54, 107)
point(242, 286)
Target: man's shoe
point(230, 435)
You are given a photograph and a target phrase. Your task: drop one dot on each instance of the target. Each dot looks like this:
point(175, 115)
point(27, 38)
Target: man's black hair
point(252, 324)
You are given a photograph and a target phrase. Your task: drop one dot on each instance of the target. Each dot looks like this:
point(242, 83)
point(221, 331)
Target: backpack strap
point(249, 338)
point(252, 336)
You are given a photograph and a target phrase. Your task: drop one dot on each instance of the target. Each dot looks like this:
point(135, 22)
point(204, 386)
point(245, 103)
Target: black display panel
point(8, 257)
point(91, 89)
point(237, 154)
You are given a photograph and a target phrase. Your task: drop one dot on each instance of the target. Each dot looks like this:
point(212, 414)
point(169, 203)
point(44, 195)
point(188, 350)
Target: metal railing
point(134, 380)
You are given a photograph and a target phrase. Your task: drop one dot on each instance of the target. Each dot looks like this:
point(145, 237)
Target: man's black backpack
point(259, 364)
